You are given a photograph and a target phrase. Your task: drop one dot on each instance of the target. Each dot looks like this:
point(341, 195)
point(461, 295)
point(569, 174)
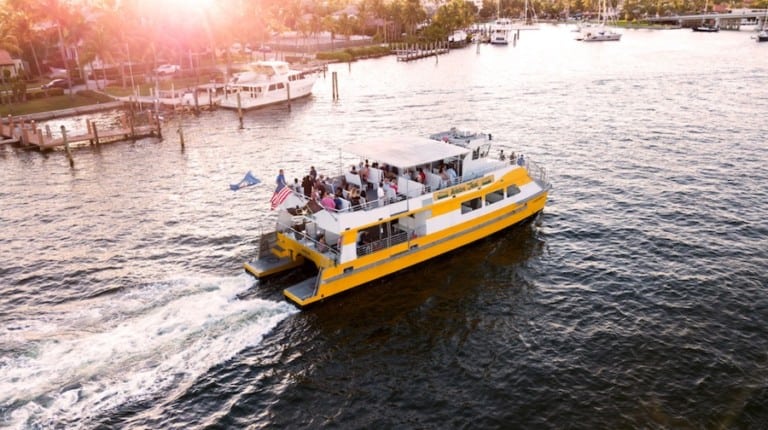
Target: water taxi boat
point(265, 83)
point(425, 197)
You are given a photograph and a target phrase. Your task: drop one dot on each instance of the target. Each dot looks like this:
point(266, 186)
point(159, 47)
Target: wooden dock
point(415, 52)
point(30, 135)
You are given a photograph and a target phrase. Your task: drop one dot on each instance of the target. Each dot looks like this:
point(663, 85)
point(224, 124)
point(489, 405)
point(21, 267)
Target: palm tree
point(21, 21)
point(9, 43)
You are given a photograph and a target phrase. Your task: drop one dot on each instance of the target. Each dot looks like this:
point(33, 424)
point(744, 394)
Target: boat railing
point(383, 243)
point(267, 241)
point(537, 172)
point(307, 240)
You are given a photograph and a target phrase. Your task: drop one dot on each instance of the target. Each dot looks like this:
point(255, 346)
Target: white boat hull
point(250, 99)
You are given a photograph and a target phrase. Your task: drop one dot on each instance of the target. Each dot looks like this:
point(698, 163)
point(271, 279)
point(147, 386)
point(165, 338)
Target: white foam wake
point(80, 360)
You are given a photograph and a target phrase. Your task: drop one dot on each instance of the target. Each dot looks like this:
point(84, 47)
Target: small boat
point(707, 28)
point(265, 83)
point(762, 34)
point(461, 194)
point(600, 33)
point(458, 39)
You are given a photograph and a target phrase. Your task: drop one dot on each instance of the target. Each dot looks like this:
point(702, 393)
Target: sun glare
point(186, 5)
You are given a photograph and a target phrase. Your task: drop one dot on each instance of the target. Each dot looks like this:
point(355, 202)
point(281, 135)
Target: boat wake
point(74, 362)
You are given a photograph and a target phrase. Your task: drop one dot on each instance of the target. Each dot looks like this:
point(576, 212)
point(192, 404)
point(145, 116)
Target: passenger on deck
point(307, 184)
point(322, 245)
point(354, 197)
point(444, 178)
point(337, 200)
point(296, 186)
point(328, 202)
point(313, 173)
point(521, 160)
point(421, 176)
point(364, 173)
point(380, 194)
point(280, 181)
point(362, 199)
point(451, 175)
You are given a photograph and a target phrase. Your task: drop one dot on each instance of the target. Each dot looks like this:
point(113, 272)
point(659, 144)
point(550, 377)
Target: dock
point(28, 134)
point(415, 52)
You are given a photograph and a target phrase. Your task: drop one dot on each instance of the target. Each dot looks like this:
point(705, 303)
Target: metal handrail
point(380, 244)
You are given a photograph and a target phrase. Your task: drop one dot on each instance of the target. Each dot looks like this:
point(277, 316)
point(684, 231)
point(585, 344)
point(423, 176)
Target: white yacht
point(265, 83)
point(501, 31)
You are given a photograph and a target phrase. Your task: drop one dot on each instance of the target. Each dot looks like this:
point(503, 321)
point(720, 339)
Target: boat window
point(512, 190)
point(471, 205)
point(494, 197)
point(272, 87)
point(280, 85)
point(484, 150)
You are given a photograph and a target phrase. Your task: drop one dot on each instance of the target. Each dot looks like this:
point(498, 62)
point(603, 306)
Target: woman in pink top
point(328, 202)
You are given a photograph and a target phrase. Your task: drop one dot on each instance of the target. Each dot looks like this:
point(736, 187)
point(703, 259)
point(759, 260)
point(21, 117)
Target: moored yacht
point(423, 198)
point(500, 32)
point(265, 83)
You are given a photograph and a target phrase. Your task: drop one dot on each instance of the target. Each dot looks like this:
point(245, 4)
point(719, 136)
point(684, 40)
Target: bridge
point(726, 21)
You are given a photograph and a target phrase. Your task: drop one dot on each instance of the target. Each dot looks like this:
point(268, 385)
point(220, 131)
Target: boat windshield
point(262, 69)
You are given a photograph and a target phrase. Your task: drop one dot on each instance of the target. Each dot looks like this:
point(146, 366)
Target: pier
point(28, 134)
point(414, 52)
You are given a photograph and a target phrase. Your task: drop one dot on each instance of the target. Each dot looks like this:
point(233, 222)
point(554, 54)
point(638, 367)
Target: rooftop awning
point(404, 151)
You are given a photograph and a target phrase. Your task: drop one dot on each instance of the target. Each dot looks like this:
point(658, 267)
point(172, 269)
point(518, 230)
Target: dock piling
point(335, 86)
point(288, 89)
point(66, 146)
point(95, 132)
point(239, 109)
point(181, 134)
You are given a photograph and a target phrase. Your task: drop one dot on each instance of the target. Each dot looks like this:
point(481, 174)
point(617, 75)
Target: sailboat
point(762, 35)
point(530, 20)
point(707, 27)
point(600, 33)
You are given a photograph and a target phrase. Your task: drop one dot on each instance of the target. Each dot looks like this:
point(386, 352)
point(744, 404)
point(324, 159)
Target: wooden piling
point(66, 146)
point(181, 134)
point(288, 89)
point(239, 109)
point(131, 122)
point(95, 132)
point(159, 128)
point(335, 85)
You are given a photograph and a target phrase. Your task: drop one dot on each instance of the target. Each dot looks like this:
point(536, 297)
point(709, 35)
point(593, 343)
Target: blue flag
point(247, 181)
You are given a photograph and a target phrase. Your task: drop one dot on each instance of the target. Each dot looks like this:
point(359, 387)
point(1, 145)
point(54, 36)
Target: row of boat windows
point(490, 198)
point(392, 232)
point(271, 87)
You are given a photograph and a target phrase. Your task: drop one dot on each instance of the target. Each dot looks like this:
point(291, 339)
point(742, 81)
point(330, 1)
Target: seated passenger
point(328, 202)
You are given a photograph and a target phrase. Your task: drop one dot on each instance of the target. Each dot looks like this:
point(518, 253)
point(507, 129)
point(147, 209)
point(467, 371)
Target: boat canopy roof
point(405, 151)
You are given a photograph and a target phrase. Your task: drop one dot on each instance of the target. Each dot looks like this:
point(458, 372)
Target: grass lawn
point(49, 104)
point(164, 84)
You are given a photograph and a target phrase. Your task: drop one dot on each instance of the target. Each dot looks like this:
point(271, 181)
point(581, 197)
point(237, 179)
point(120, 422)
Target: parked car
point(56, 83)
point(167, 69)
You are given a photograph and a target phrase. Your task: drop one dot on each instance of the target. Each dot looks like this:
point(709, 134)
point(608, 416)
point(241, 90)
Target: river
point(636, 300)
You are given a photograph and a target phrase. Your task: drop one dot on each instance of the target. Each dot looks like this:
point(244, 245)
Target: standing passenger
point(280, 181)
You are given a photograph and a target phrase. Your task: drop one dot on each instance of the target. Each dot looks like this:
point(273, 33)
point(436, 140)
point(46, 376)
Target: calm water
point(637, 300)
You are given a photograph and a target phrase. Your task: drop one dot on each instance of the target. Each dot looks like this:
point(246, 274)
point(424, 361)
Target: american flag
point(280, 196)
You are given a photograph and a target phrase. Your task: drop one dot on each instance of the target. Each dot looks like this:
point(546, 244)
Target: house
point(14, 66)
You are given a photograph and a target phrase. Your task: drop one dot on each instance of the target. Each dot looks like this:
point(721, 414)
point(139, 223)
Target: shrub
point(340, 56)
